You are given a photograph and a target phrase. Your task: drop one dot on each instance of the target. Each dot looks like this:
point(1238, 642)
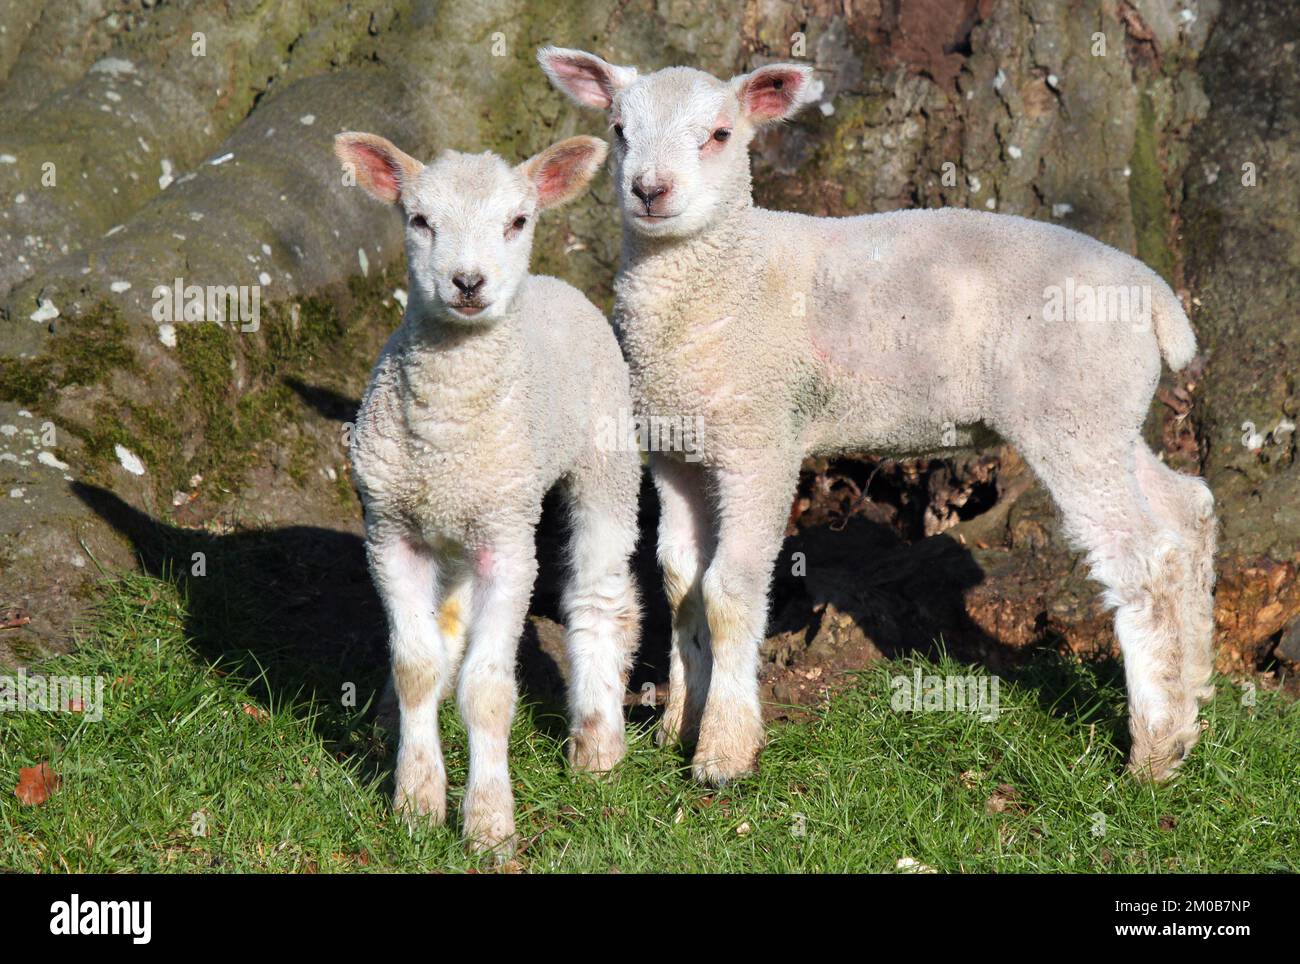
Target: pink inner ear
point(771, 92)
point(583, 80)
point(379, 167)
point(556, 177)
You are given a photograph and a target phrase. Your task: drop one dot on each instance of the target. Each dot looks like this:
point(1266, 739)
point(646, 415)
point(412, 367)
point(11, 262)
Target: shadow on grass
point(1085, 690)
point(290, 609)
point(293, 610)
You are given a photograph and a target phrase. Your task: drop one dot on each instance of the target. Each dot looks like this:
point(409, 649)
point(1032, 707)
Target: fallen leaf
point(910, 865)
point(1269, 613)
point(13, 618)
point(1005, 799)
point(35, 784)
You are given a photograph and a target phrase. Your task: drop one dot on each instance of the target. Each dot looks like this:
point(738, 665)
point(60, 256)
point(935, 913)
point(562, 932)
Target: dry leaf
point(1005, 799)
point(910, 865)
point(256, 712)
point(35, 784)
point(13, 618)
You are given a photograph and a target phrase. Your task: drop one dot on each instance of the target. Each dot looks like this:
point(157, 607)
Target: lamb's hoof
point(719, 773)
point(1158, 752)
point(717, 763)
point(596, 747)
point(491, 832)
point(424, 805)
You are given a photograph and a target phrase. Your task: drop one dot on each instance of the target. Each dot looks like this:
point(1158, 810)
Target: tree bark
point(1129, 121)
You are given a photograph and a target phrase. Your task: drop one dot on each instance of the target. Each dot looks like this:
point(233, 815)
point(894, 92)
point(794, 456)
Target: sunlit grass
point(190, 769)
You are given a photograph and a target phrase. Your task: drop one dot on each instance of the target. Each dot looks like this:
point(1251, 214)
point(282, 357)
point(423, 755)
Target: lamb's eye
point(515, 226)
point(421, 224)
point(721, 134)
point(618, 131)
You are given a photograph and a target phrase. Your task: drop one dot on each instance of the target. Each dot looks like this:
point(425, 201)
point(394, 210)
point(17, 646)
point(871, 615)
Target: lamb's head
point(469, 217)
point(681, 136)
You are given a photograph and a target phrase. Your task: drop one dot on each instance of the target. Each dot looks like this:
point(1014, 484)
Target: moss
point(219, 420)
point(1147, 196)
point(302, 340)
point(144, 430)
point(207, 353)
point(1202, 234)
point(24, 381)
point(346, 491)
point(83, 351)
point(301, 452)
point(294, 334)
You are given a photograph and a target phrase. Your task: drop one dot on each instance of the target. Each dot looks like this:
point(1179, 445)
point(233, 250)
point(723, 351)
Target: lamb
point(497, 385)
point(911, 332)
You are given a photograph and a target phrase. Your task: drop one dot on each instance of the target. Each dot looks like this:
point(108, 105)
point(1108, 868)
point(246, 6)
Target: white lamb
point(497, 385)
point(901, 333)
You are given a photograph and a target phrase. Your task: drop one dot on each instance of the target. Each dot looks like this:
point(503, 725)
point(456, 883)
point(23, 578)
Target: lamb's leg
point(405, 575)
point(1185, 503)
point(1147, 568)
point(452, 615)
point(486, 693)
point(685, 547)
point(602, 614)
point(753, 509)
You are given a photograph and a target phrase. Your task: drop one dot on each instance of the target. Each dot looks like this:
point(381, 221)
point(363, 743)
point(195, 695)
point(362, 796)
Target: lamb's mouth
point(469, 311)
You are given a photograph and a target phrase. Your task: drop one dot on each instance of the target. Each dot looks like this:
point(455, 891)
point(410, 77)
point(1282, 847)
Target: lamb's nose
point(648, 192)
point(469, 284)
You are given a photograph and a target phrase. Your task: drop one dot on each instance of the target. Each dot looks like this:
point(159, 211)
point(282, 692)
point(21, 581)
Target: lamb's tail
point(1173, 331)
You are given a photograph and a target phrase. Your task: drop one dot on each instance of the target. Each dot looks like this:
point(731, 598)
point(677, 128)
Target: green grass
point(855, 787)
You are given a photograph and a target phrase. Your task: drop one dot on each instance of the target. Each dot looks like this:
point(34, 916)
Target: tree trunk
point(1128, 121)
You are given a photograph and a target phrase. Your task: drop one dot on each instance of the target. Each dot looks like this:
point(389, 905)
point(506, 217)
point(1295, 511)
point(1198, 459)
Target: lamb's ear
point(562, 170)
point(377, 165)
point(775, 92)
point(584, 77)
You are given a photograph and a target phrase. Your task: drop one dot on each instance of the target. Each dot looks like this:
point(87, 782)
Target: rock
point(1288, 647)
